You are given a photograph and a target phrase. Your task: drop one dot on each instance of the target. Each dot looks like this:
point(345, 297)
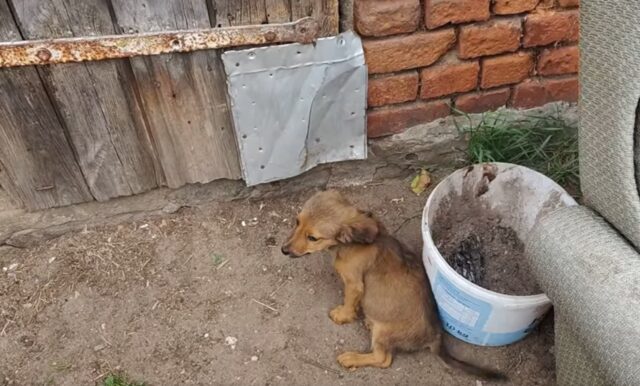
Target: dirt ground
point(204, 297)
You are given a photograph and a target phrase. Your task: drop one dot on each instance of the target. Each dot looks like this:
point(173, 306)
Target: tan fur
point(380, 276)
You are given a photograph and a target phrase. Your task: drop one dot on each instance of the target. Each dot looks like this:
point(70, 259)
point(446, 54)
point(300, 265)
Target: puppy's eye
point(297, 222)
point(311, 238)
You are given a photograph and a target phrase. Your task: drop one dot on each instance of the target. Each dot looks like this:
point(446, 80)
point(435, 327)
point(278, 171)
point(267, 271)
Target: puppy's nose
point(285, 250)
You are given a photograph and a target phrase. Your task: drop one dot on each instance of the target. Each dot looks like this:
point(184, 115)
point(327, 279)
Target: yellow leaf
point(420, 182)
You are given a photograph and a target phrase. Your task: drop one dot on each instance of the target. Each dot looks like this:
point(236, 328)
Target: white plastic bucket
point(469, 312)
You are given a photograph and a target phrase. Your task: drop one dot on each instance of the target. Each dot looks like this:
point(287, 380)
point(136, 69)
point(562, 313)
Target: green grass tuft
point(543, 143)
point(120, 380)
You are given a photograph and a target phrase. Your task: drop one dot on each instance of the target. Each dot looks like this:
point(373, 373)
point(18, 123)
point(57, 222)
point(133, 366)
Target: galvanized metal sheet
point(296, 106)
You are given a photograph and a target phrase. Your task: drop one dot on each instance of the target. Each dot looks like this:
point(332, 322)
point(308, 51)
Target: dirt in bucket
point(473, 241)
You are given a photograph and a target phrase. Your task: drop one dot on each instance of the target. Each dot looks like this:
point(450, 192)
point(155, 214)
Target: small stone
point(98, 347)
point(206, 335)
point(231, 342)
point(171, 207)
point(254, 358)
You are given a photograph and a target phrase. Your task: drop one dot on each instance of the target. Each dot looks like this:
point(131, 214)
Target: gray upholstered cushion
point(610, 91)
point(575, 365)
point(592, 276)
point(637, 144)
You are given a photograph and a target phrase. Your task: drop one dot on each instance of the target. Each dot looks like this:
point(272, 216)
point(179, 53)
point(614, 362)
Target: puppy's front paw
point(342, 315)
point(349, 360)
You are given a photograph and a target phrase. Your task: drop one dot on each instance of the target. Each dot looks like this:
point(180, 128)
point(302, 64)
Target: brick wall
point(477, 55)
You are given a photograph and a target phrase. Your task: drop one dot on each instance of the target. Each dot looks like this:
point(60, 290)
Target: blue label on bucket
point(501, 339)
point(462, 316)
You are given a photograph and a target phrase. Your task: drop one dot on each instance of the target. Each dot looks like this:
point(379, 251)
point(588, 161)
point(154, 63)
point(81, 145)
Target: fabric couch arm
point(592, 276)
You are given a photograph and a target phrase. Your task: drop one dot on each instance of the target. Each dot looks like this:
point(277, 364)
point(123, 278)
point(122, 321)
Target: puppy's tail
point(451, 362)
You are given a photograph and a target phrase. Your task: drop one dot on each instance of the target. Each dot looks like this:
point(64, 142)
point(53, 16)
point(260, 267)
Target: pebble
point(171, 207)
point(231, 342)
point(254, 358)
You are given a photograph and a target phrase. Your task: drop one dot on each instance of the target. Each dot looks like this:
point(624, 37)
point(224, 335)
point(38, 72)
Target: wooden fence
point(77, 132)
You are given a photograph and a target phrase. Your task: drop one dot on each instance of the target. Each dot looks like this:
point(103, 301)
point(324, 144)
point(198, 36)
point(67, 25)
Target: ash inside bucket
point(473, 241)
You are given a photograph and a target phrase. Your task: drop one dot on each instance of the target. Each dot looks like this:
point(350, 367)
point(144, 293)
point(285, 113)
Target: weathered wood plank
point(325, 11)
point(95, 100)
point(245, 12)
point(37, 165)
point(278, 11)
point(184, 95)
point(231, 13)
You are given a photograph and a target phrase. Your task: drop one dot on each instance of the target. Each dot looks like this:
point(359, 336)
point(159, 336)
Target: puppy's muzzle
point(287, 252)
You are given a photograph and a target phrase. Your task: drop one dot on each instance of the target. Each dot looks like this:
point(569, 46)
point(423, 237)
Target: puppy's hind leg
point(381, 353)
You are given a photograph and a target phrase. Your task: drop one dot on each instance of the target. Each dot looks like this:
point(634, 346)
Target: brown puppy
point(380, 275)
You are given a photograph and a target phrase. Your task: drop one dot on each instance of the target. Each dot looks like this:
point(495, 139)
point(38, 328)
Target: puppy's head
point(328, 219)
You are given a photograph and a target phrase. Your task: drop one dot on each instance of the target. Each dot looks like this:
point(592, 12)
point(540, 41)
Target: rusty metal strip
point(51, 51)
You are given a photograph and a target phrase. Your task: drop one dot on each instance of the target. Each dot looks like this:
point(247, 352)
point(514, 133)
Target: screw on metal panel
point(44, 54)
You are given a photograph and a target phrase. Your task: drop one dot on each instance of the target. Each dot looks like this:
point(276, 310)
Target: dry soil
point(204, 297)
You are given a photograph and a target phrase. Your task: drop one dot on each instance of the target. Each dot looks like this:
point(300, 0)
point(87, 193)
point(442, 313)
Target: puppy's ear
point(363, 230)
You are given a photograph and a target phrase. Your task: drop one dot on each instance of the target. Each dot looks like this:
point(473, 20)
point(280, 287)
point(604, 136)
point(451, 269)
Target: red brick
point(448, 78)
point(479, 102)
point(494, 37)
point(441, 12)
point(508, 7)
point(569, 3)
point(406, 52)
point(506, 69)
point(557, 61)
point(563, 89)
point(546, 4)
point(535, 92)
point(541, 29)
point(383, 17)
point(528, 94)
point(395, 119)
point(390, 89)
